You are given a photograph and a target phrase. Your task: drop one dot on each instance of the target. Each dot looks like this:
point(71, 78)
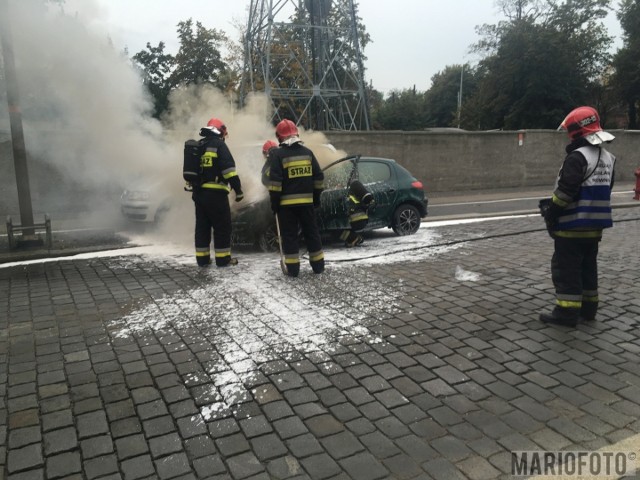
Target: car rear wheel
point(406, 220)
point(268, 240)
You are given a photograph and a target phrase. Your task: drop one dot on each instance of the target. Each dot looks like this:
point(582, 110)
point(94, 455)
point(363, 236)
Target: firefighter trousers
point(292, 221)
point(574, 271)
point(353, 236)
point(212, 213)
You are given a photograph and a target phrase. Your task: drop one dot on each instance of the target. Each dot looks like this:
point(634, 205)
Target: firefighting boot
point(203, 261)
point(566, 317)
point(352, 240)
point(226, 263)
point(318, 266)
point(293, 269)
point(588, 311)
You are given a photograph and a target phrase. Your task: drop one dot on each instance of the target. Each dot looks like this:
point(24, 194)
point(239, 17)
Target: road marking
point(518, 199)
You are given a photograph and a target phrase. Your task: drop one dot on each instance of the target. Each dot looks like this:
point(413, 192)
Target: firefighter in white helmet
point(578, 211)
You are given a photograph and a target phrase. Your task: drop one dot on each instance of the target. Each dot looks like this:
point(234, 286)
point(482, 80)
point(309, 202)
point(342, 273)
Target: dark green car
point(400, 202)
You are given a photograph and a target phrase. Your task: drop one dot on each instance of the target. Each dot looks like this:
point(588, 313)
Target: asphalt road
point(508, 202)
point(70, 234)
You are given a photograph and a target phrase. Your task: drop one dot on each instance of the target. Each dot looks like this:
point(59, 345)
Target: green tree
point(401, 110)
point(626, 79)
point(199, 59)
point(156, 66)
point(442, 101)
point(376, 101)
point(541, 62)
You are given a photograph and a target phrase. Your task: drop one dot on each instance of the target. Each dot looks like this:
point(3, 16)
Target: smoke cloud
point(87, 118)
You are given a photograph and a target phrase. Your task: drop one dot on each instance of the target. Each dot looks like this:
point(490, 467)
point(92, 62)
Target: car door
point(379, 178)
point(333, 213)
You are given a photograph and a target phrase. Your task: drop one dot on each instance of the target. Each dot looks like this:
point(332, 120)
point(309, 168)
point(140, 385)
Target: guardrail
point(13, 229)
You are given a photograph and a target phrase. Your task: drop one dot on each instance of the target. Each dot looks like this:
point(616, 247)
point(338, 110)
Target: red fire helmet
point(217, 124)
point(285, 129)
point(268, 145)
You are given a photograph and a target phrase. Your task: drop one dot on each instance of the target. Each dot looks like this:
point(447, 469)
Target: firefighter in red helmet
point(580, 208)
point(218, 178)
point(266, 148)
point(295, 184)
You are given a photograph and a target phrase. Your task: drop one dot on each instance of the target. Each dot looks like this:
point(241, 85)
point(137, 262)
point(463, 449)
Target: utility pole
point(460, 96)
point(15, 121)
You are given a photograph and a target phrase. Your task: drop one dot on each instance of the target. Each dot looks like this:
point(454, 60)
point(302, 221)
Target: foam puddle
point(251, 315)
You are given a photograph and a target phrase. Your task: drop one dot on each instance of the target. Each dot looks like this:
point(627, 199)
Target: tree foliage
point(542, 60)
point(450, 88)
point(198, 61)
point(402, 110)
point(156, 66)
point(626, 79)
point(545, 59)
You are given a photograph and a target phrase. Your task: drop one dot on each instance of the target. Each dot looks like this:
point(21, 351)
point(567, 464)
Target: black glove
point(544, 205)
point(275, 205)
point(239, 196)
point(549, 213)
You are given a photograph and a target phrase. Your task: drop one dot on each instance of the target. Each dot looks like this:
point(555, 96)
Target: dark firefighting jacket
point(218, 167)
point(264, 173)
point(358, 202)
point(581, 202)
point(295, 177)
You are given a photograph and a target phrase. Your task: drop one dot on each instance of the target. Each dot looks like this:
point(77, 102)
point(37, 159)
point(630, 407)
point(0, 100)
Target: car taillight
point(417, 184)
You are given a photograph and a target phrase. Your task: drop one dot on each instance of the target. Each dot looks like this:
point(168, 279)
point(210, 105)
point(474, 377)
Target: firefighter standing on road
point(211, 200)
point(576, 215)
point(295, 184)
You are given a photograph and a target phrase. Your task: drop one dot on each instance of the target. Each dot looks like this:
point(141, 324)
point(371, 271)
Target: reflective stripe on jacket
point(294, 176)
point(218, 167)
point(357, 211)
point(586, 215)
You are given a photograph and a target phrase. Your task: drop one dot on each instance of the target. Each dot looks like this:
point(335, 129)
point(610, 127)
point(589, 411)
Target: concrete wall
point(449, 161)
point(444, 161)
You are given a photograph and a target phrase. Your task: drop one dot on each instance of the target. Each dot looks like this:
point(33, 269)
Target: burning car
point(400, 202)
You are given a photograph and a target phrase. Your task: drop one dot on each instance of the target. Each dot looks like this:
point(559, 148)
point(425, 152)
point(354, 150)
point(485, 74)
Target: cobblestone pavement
point(147, 367)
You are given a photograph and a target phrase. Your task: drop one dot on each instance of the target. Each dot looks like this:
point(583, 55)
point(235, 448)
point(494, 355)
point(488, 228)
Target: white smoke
point(86, 112)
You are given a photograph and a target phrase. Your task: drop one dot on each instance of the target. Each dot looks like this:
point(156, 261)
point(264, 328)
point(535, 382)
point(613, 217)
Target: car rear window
point(373, 172)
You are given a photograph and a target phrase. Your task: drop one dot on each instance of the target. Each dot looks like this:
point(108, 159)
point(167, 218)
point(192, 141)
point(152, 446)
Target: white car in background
point(143, 204)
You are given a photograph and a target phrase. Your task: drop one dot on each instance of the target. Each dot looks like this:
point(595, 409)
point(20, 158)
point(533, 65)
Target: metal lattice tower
point(305, 55)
